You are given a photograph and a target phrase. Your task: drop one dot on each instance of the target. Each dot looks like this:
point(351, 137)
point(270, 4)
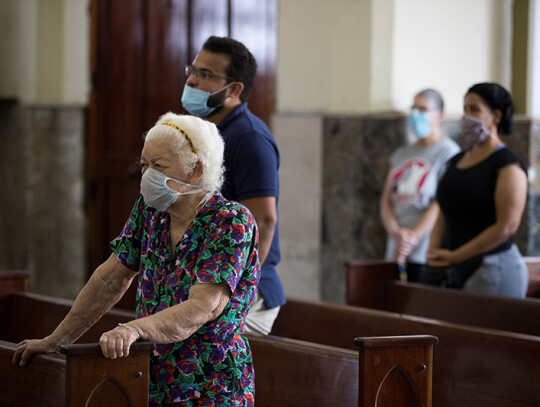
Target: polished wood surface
point(389, 379)
point(295, 373)
point(533, 266)
point(471, 366)
point(12, 281)
point(372, 284)
point(41, 384)
point(82, 378)
point(94, 381)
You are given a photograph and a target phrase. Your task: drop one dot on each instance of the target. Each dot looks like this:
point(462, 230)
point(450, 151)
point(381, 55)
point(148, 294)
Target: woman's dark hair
point(435, 97)
point(243, 66)
point(497, 98)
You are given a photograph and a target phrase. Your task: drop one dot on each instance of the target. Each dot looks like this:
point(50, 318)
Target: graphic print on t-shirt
point(407, 180)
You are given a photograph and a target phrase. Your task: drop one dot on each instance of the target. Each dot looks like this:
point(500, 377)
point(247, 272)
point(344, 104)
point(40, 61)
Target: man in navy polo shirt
point(218, 85)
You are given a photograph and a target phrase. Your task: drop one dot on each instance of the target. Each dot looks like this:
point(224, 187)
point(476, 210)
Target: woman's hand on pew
point(116, 343)
point(29, 347)
point(439, 257)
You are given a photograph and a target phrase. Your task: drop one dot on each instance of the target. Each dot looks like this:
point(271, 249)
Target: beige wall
point(461, 43)
point(533, 102)
point(322, 47)
point(354, 56)
point(340, 56)
point(45, 48)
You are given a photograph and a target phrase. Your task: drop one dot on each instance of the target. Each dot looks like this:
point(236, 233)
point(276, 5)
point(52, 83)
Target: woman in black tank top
point(482, 196)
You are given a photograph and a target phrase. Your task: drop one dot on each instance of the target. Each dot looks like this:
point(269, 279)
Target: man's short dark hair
point(243, 66)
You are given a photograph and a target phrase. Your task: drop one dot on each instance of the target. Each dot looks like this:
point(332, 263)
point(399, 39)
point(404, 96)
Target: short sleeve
point(232, 237)
point(253, 166)
point(507, 157)
point(396, 157)
point(127, 245)
point(451, 150)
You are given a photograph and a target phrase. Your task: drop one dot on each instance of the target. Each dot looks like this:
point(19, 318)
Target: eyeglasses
point(203, 73)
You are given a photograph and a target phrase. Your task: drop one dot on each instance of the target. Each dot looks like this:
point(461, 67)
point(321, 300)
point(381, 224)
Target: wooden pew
point(533, 266)
point(372, 284)
point(288, 372)
point(472, 366)
point(389, 371)
point(79, 377)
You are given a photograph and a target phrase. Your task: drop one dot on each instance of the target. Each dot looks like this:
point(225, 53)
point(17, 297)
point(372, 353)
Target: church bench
point(471, 366)
point(305, 373)
point(80, 377)
point(372, 284)
point(387, 371)
point(533, 266)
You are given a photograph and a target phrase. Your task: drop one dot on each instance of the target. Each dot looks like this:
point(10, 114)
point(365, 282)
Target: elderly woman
point(482, 197)
point(195, 254)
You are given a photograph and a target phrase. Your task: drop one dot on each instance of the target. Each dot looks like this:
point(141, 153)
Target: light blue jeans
point(504, 274)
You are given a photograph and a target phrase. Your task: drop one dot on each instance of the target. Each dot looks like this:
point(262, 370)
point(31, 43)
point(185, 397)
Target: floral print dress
point(213, 367)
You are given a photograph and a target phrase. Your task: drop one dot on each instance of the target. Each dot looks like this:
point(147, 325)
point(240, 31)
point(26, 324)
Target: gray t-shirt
point(415, 173)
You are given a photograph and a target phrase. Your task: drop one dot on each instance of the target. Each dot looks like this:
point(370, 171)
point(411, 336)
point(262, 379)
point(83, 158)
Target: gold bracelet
point(131, 329)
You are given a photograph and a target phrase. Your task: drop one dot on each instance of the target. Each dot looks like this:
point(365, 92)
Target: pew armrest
point(396, 370)
point(93, 380)
point(79, 377)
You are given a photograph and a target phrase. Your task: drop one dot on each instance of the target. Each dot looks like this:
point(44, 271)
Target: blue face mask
point(419, 124)
point(195, 101)
point(157, 193)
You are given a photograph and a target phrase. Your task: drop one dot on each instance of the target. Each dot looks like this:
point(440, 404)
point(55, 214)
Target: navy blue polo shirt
point(251, 170)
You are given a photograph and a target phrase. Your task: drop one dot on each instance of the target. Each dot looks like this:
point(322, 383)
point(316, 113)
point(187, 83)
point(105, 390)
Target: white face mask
point(157, 193)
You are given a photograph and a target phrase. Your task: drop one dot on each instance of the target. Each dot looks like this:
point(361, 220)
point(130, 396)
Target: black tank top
point(467, 198)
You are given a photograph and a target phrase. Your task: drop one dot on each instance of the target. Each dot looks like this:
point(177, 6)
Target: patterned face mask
point(157, 193)
point(473, 129)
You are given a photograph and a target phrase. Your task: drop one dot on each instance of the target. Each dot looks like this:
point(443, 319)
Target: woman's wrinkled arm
point(102, 291)
point(205, 303)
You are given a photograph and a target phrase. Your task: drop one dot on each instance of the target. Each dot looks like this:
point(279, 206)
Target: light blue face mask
point(419, 124)
point(157, 193)
point(195, 101)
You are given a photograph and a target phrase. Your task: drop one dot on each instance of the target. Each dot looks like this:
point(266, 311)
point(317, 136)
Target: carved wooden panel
point(387, 378)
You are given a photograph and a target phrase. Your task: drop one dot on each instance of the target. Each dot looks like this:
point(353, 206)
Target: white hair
point(201, 141)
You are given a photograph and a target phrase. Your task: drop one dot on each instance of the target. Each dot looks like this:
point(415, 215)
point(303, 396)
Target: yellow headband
point(184, 134)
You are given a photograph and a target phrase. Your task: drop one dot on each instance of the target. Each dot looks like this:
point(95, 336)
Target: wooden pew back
point(533, 266)
point(42, 384)
point(35, 316)
point(472, 366)
point(283, 366)
point(371, 284)
point(307, 374)
point(83, 377)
